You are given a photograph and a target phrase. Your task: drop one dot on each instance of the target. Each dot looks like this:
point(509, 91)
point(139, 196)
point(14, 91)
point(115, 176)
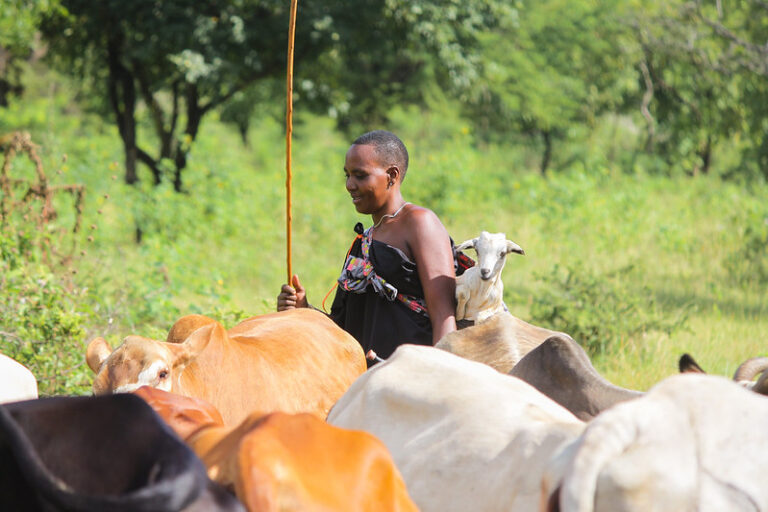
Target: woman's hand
point(291, 297)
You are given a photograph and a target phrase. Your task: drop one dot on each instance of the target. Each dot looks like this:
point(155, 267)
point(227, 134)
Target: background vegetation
point(623, 148)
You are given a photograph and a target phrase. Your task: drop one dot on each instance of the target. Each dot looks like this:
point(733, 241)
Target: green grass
point(220, 248)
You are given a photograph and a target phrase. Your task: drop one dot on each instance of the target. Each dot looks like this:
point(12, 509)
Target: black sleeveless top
point(375, 322)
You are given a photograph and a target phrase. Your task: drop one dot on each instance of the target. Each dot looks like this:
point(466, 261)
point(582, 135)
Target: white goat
point(479, 290)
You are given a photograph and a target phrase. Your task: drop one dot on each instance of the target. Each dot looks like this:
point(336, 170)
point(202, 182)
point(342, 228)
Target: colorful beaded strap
point(358, 273)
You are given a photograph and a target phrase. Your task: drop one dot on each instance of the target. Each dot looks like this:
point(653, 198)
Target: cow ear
point(187, 351)
point(97, 352)
point(687, 364)
point(513, 247)
point(467, 244)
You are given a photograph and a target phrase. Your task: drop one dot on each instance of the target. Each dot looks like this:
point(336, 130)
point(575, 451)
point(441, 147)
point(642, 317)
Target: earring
point(390, 183)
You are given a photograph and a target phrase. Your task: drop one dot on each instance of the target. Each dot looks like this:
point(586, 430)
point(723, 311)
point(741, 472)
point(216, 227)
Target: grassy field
point(667, 257)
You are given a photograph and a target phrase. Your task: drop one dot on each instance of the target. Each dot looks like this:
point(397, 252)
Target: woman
point(398, 281)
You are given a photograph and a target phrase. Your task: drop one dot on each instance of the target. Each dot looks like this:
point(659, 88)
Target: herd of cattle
point(279, 413)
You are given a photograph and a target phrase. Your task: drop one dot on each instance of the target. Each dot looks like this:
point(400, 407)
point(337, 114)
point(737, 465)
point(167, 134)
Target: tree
point(705, 70)
point(559, 64)
point(19, 41)
point(183, 59)
point(387, 53)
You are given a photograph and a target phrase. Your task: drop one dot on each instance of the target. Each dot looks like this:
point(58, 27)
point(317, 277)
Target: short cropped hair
point(388, 147)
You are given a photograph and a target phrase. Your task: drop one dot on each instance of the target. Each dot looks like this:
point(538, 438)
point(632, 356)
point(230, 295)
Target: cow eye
point(163, 374)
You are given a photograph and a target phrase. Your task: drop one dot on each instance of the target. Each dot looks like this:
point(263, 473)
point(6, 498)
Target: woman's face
point(367, 179)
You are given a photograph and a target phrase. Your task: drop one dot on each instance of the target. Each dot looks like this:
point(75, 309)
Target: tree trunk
point(194, 116)
point(706, 155)
point(242, 127)
point(644, 106)
point(122, 97)
point(546, 136)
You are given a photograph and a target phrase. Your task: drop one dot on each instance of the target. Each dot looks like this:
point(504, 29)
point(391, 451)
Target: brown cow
point(292, 361)
point(284, 461)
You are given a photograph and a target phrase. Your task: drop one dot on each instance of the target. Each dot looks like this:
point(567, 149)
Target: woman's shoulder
point(420, 214)
point(421, 218)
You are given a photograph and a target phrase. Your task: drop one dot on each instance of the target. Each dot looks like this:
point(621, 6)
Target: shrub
point(598, 310)
point(43, 327)
point(42, 312)
point(749, 263)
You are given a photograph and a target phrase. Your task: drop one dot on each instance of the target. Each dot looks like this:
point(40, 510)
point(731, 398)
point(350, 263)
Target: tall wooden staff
point(288, 133)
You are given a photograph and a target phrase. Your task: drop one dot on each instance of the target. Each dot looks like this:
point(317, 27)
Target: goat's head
point(492, 249)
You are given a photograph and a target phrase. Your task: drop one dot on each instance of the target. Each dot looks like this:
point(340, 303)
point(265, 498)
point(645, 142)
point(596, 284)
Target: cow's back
point(464, 436)
point(16, 381)
point(301, 460)
point(693, 442)
point(292, 361)
point(99, 453)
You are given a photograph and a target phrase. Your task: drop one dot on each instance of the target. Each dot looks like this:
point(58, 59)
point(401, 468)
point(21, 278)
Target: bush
point(598, 310)
point(749, 263)
point(42, 313)
point(43, 327)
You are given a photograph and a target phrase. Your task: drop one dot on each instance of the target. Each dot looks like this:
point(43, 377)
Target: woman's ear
point(393, 172)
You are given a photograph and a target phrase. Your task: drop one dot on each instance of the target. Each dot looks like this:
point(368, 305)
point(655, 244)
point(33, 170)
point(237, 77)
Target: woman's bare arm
point(430, 246)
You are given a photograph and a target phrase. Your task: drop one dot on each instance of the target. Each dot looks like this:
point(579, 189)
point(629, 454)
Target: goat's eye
point(163, 374)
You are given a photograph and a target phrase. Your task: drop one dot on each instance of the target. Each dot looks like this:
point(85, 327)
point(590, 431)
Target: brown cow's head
point(185, 415)
point(142, 361)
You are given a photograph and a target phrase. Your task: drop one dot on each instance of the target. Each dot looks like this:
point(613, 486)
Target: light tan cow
point(693, 442)
point(291, 361)
point(16, 381)
point(287, 462)
point(464, 436)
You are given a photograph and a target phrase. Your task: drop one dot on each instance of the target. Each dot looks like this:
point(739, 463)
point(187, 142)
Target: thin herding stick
point(288, 133)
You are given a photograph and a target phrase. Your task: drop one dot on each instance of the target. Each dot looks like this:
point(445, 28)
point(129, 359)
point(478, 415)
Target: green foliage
point(748, 263)
point(44, 323)
point(544, 74)
point(705, 67)
point(219, 249)
point(599, 310)
point(19, 41)
point(235, 50)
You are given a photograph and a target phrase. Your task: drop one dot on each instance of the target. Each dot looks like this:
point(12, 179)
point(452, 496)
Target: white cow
point(464, 436)
point(16, 381)
point(693, 442)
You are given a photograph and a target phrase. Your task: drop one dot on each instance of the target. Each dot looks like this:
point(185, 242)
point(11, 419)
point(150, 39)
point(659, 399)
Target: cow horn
point(96, 353)
point(750, 368)
point(761, 386)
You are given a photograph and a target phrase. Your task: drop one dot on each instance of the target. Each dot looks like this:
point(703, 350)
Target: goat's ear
point(513, 247)
point(466, 244)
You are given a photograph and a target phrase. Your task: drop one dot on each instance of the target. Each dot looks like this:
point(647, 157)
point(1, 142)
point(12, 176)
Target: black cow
point(109, 453)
